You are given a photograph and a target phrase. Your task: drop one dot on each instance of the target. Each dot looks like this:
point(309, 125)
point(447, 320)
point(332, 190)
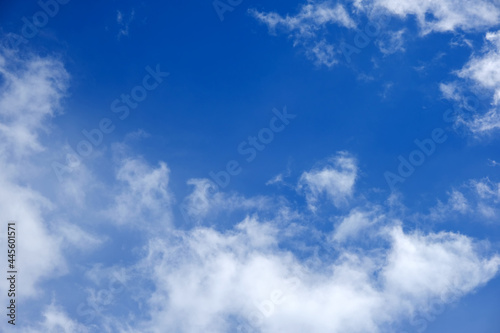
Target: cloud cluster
point(31, 92)
point(251, 274)
point(309, 27)
point(247, 278)
point(209, 281)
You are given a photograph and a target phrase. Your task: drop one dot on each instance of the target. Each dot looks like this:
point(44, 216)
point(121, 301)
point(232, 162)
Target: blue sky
point(329, 166)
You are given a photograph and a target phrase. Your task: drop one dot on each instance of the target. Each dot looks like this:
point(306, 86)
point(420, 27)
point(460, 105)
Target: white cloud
point(352, 224)
point(439, 266)
point(485, 69)
point(74, 236)
point(486, 189)
point(306, 27)
point(488, 198)
point(31, 93)
point(206, 201)
point(311, 17)
point(56, 320)
point(440, 15)
point(392, 42)
point(143, 198)
point(206, 281)
point(457, 203)
point(336, 180)
point(481, 75)
point(28, 208)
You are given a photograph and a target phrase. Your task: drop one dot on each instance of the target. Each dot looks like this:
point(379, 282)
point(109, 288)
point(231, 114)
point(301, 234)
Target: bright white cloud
point(485, 69)
point(439, 266)
point(336, 180)
point(488, 197)
point(207, 281)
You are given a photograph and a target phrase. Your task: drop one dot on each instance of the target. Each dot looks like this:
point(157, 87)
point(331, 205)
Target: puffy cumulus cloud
point(242, 280)
point(307, 27)
point(336, 180)
point(142, 197)
point(439, 15)
point(434, 266)
point(31, 91)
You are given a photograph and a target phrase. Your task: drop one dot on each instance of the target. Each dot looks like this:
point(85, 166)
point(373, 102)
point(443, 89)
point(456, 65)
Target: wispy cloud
point(308, 28)
point(124, 22)
point(480, 74)
point(439, 15)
